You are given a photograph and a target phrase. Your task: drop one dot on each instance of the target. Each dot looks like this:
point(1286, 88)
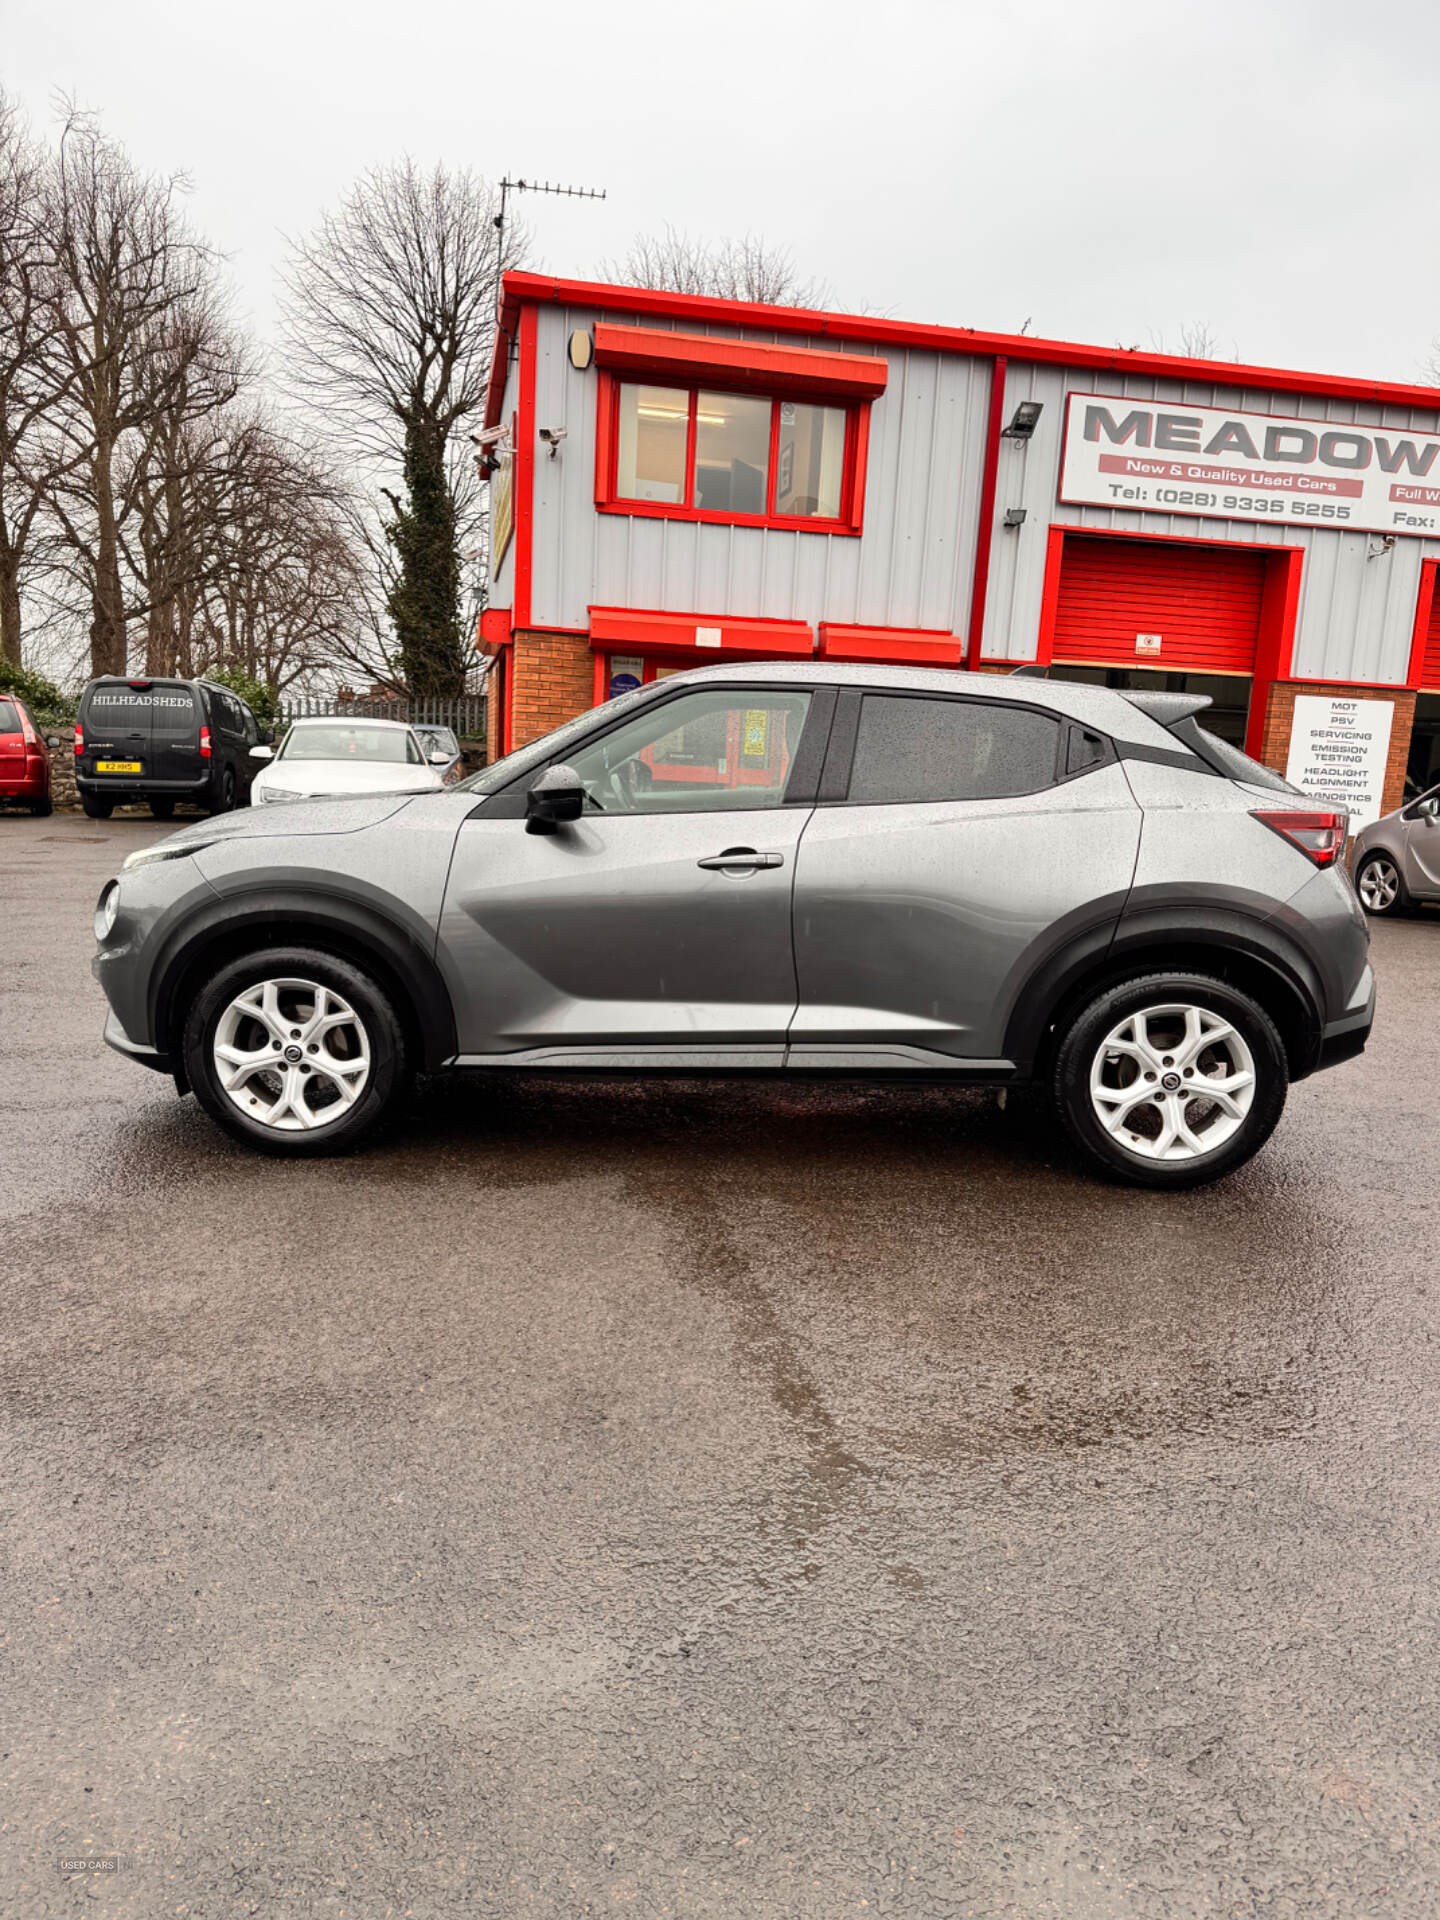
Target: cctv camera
point(489, 436)
point(553, 435)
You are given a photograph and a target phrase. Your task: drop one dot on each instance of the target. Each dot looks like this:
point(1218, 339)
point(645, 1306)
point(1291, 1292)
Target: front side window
point(924, 750)
point(717, 750)
point(732, 455)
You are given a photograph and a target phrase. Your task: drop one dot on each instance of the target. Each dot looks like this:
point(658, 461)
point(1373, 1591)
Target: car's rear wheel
point(162, 808)
point(295, 1051)
point(1171, 1080)
point(1380, 886)
point(96, 807)
point(42, 808)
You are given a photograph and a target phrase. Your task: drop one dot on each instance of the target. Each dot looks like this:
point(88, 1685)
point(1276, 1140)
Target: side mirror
point(262, 752)
point(52, 739)
point(267, 736)
point(557, 796)
point(440, 758)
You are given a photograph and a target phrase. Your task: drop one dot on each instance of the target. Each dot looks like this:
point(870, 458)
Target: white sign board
point(1216, 462)
point(1337, 752)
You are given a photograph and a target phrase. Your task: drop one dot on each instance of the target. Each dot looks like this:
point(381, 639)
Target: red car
point(24, 757)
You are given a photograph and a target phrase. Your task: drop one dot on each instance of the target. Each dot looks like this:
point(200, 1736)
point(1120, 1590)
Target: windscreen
point(344, 740)
point(551, 747)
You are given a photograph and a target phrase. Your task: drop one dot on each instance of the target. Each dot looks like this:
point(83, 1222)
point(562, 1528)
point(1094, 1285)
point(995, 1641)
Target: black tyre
point(1381, 886)
point(1171, 1080)
point(162, 808)
point(42, 808)
point(95, 807)
point(225, 801)
point(294, 1051)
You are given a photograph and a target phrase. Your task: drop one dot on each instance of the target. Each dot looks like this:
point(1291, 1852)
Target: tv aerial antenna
point(508, 186)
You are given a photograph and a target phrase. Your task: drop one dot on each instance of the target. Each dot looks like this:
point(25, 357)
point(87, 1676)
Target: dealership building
point(678, 480)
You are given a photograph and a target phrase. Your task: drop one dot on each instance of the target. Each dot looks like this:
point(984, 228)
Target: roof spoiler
point(1167, 708)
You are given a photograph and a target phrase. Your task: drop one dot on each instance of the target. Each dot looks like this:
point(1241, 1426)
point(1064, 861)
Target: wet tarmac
point(708, 1500)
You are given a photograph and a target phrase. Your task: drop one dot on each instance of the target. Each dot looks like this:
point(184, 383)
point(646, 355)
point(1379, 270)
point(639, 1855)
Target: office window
point(702, 454)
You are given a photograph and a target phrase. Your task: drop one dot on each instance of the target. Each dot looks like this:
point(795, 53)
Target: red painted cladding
point(695, 357)
point(1205, 602)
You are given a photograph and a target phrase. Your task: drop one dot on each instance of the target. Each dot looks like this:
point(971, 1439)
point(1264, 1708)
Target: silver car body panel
point(910, 925)
point(610, 934)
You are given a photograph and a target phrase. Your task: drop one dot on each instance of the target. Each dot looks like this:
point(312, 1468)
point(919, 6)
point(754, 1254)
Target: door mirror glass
point(439, 759)
point(262, 752)
point(555, 798)
point(52, 739)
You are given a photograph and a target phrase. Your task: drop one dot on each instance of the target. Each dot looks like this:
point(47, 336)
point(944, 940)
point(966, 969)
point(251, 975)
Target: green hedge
point(47, 703)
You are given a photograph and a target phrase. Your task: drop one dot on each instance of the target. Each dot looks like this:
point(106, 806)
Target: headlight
point(106, 908)
point(167, 850)
point(269, 794)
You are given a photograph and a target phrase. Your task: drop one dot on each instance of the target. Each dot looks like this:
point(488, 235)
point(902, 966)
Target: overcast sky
point(1108, 169)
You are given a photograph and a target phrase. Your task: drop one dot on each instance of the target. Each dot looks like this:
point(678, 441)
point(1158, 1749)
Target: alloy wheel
point(1379, 884)
point(291, 1054)
point(1172, 1082)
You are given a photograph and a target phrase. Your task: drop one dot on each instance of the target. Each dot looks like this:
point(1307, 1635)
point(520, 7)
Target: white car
point(319, 757)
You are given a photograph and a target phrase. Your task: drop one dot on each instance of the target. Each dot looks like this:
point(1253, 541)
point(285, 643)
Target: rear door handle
point(740, 860)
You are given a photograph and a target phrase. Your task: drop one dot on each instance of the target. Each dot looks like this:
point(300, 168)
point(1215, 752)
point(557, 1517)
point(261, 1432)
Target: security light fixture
point(1027, 417)
point(1015, 516)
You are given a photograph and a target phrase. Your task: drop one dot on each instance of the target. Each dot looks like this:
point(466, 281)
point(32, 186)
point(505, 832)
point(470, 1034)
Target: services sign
point(1337, 753)
point(1161, 457)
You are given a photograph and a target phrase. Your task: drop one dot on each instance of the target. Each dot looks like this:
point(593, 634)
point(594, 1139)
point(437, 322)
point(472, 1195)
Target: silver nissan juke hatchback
point(809, 869)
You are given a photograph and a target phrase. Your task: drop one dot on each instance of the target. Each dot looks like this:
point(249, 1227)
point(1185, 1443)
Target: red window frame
point(608, 498)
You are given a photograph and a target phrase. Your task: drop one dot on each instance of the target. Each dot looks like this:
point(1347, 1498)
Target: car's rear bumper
point(113, 785)
point(1342, 1039)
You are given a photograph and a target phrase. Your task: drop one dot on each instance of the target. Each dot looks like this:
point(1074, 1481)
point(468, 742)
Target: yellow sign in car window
point(757, 729)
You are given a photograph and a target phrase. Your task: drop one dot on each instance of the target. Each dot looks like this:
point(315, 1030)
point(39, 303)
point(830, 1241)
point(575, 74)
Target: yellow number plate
point(117, 766)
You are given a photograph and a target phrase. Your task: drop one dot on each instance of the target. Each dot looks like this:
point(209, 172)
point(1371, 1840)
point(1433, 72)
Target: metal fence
point(465, 715)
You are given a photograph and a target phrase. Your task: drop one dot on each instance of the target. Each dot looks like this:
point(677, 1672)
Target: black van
point(163, 741)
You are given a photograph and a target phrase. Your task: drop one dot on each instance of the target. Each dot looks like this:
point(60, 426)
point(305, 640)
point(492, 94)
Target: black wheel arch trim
point(1160, 930)
point(373, 927)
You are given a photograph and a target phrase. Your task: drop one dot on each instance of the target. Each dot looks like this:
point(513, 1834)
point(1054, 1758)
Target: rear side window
point(9, 718)
point(915, 749)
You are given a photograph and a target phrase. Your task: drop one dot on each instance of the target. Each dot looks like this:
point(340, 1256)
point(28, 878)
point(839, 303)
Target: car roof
point(1102, 707)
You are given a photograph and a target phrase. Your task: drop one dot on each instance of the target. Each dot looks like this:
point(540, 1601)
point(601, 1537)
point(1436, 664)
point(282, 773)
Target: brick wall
point(1280, 712)
point(554, 681)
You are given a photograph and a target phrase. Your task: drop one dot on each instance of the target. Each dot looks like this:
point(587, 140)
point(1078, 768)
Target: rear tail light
point(32, 739)
point(204, 743)
point(1319, 836)
point(79, 739)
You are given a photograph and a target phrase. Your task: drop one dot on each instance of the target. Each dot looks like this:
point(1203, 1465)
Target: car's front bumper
point(116, 1037)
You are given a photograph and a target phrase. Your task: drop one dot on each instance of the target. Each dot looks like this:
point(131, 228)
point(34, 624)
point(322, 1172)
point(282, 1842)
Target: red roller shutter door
point(1203, 601)
point(1430, 657)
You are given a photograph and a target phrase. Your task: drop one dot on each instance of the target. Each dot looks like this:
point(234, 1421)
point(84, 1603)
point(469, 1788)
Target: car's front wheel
point(295, 1051)
point(1380, 886)
point(1171, 1080)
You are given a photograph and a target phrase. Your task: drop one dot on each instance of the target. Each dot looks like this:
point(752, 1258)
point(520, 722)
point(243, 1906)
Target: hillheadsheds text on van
point(163, 742)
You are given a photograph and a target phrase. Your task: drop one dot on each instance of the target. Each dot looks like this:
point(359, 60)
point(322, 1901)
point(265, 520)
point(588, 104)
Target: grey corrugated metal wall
point(1357, 613)
point(912, 567)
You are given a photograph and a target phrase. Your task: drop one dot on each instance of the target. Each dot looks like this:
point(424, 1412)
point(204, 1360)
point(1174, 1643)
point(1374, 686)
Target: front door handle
point(740, 860)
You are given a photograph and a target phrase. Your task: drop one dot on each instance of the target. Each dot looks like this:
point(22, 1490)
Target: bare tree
point(31, 383)
point(285, 597)
point(748, 269)
point(126, 261)
point(390, 321)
